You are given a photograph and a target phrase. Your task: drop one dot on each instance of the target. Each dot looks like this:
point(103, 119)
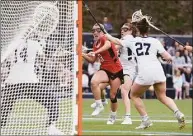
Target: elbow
point(166, 56)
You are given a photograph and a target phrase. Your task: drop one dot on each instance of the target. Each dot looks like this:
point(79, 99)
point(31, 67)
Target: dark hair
point(133, 28)
point(142, 26)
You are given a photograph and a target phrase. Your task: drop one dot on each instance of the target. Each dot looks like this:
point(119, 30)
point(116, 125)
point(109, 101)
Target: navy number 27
point(142, 48)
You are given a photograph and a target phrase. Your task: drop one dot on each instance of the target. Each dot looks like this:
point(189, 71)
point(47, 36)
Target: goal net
point(38, 67)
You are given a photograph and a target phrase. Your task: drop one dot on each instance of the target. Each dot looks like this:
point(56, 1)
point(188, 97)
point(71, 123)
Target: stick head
point(46, 17)
point(137, 16)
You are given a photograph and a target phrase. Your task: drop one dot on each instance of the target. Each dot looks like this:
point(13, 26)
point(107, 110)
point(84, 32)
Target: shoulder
point(127, 37)
point(127, 40)
point(155, 42)
point(102, 39)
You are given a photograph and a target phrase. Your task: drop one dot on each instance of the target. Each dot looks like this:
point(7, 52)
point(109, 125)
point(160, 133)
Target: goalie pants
point(40, 93)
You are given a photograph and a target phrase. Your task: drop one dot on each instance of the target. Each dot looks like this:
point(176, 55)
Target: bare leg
point(136, 92)
point(113, 93)
point(113, 96)
point(125, 88)
point(99, 77)
point(103, 91)
point(160, 91)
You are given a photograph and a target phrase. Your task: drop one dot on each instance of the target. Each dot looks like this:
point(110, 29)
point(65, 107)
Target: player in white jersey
point(129, 68)
point(150, 72)
point(128, 62)
point(22, 75)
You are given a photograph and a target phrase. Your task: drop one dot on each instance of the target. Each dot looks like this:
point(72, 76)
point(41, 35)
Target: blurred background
point(173, 17)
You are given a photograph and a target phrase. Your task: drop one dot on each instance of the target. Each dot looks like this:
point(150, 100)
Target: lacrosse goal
point(38, 67)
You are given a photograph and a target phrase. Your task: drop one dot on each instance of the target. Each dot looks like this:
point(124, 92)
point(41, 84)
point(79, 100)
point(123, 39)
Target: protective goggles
point(98, 30)
point(125, 29)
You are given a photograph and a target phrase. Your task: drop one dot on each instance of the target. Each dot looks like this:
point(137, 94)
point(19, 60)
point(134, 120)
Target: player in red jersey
point(111, 71)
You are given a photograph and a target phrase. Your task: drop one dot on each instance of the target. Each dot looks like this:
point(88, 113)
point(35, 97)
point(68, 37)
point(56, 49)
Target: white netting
point(37, 67)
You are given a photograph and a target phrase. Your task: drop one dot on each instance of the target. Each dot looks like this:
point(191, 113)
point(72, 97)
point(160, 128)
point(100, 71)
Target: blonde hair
point(100, 25)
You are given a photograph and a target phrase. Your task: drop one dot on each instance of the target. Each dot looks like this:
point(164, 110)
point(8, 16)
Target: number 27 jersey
point(145, 50)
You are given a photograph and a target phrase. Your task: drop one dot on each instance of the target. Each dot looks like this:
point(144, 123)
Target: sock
point(175, 111)
point(128, 114)
point(113, 113)
point(98, 102)
point(145, 117)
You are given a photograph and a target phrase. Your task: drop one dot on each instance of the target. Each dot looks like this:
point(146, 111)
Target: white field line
point(155, 116)
point(135, 132)
point(165, 121)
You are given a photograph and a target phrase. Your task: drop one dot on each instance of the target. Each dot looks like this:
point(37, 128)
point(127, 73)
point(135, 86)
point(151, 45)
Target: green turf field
point(164, 122)
point(29, 118)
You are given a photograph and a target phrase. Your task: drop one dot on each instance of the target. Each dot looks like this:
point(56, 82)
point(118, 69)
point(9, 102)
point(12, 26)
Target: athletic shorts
point(150, 76)
point(130, 72)
point(113, 76)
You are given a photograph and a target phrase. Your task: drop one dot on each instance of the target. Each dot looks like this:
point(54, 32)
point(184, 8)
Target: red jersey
point(109, 59)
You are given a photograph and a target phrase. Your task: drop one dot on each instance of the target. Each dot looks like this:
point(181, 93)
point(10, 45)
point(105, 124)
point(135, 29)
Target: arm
point(113, 39)
point(105, 47)
point(161, 60)
point(117, 47)
point(166, 56)
point(90, 59)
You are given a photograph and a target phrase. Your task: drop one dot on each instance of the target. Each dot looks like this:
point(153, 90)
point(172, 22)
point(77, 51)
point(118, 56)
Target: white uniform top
point(23, 72)
point(127, 59)
point(145, 49)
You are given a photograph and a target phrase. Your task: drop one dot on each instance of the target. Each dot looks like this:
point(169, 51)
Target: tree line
point(173, 17)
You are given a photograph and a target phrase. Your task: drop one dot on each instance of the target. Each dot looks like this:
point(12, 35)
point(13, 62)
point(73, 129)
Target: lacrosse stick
point(87, 8)
point(138, 16)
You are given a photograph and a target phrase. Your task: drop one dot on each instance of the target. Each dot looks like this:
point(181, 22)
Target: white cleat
point(93, 105)
point(111, 120)
point(97, 110)
point(127, 120)
point(52, 130)
point(145, 124)
point(181, 119)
